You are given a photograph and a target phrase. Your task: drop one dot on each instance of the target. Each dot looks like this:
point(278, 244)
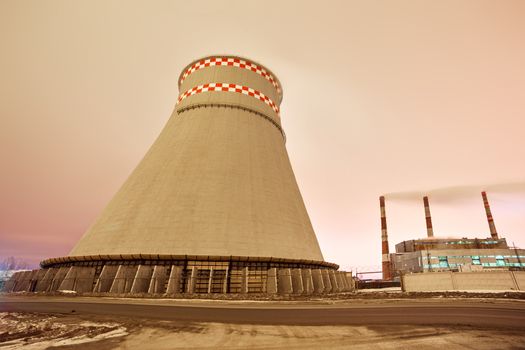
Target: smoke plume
point(458, 193)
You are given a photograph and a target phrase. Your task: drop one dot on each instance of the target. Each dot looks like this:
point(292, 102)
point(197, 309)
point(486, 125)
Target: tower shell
point(216, 185)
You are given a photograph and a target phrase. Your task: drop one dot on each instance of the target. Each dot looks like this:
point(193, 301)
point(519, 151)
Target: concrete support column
point(12, 283)
point(333, 281)
point(45, 284)
point(297, 281)
point(158, 280)
point(37, 279)
point(284, 284)
point(85, 279)
point(326, 281)
point(317, 280)
point(9, 284)
point(142, 279)
point(308, 285)
point(210, 280)
point(19, 280)
point(79, 278)
point(225, 283)
point(31, 282)
point(271, 281)
point(244, 280)
point(22, 284)
point(106, 278)
point(346, 282)
point(59, 277)
point(190, 286)
point(123, 279)
point(340, 282)
point(174, 282)
point(69, 281)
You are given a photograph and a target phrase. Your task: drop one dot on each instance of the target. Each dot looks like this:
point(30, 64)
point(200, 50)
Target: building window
point(475, 260)
point(443, 261)
point(500, 261)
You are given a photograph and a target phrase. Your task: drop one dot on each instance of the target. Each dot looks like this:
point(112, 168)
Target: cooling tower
point(216, 186)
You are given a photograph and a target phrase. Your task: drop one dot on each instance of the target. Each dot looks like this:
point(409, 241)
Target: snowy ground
point(78, 330)
point(59, 331)
point(35, 331)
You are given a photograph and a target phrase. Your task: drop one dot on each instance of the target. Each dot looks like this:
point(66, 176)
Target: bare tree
point(12, 263)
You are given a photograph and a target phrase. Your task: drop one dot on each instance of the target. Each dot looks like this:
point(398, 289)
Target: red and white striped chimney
point(492, 226)
point(387, 273)
point(428, 218)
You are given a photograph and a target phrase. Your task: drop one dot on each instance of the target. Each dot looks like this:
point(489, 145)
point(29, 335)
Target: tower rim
point(130, 258)
point(188, 66)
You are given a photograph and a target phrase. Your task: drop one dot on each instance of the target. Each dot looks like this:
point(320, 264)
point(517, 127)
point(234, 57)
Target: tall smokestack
point(493, 232)
point(428, 218)
point(387, 273)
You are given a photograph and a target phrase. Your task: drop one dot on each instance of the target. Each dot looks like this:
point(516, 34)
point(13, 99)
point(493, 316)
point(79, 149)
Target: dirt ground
point(59, 331)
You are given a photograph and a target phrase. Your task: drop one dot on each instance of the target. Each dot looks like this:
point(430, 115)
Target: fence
point(478, 280)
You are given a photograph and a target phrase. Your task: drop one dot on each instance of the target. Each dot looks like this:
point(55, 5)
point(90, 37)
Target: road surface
point(478, 313)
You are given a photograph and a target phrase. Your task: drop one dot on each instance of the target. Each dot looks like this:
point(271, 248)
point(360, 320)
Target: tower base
point(169, 275)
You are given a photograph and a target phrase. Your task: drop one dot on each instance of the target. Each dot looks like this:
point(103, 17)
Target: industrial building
point(433, 254)
point(213, 207)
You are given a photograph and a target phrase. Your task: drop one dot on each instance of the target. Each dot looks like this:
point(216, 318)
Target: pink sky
point(380, 97)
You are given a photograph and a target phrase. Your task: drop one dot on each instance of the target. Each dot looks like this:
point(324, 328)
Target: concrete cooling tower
point(212, 207)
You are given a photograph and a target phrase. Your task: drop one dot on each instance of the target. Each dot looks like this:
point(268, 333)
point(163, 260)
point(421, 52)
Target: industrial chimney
point(387, 273)
point(490, 219)
point(428, 218)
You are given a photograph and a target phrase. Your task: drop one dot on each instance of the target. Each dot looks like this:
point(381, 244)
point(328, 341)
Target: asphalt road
point(499, 314)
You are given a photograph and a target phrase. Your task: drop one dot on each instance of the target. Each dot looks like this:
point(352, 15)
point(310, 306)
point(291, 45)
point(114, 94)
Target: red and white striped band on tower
point(229, 88)
point(233, 62)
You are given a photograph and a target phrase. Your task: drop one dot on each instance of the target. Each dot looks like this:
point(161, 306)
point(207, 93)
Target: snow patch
point(67, 291)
